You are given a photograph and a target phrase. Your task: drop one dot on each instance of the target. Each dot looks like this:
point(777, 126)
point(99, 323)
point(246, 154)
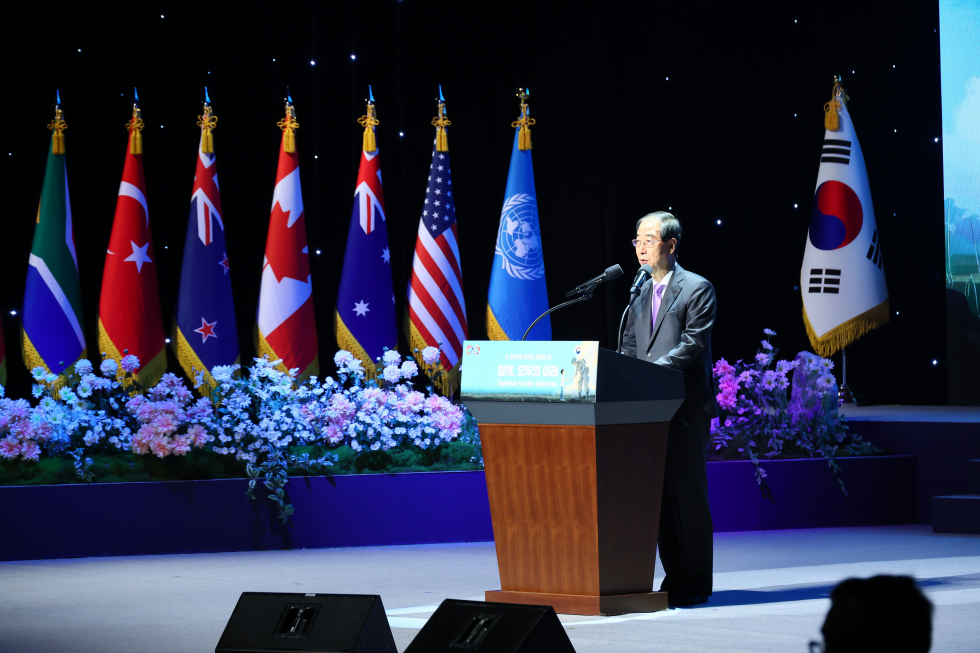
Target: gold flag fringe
point(846, 333)
point(207, 122)
point(191, 363)
point(149, 373)
point(57, 127)
point(263, 348)
point(347, 342)
point(3, 372)
point(135, 127)
point(447, 382)
point(494, 330)
point(440, 122)
point(288, 125)
point(33, 359)
point(369, 122)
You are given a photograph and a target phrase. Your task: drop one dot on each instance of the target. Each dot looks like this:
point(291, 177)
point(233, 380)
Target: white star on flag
point(386, 255)
point(139, 256)
point(361, 308)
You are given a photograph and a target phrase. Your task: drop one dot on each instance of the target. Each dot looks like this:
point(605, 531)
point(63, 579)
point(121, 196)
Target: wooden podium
point(575, 490)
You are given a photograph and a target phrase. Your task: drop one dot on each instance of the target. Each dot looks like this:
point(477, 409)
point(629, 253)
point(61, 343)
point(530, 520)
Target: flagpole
point(845, 396)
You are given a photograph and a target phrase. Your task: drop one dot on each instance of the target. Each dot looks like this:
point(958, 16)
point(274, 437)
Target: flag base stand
point(845, 396)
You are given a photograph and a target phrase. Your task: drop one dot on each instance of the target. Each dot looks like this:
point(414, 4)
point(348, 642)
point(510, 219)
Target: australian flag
point(365, 317)
point(204, 332)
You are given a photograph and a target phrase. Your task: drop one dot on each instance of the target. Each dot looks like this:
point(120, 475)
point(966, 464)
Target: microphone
point(644, 273)
point(611, 273)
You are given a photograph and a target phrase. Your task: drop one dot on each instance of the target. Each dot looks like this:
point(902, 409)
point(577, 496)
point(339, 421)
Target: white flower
point(37, 390)
point(769, 332)
point(68, 396)
point(392, 374)
point(39, 373)
point(826, 364)
point(826, 382)
point(391, 357)
point(342, 358)
point(109, 367)
point(430, 355)
point(84, 390)
point(409, 369)
point(83, 367)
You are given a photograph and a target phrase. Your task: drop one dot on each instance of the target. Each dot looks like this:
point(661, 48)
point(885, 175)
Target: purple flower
point(769, 332)
point(763, 359)
point(130, 363)
point(766, 345)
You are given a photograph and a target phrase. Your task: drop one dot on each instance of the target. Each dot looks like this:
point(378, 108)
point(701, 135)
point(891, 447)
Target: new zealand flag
point(205, 334)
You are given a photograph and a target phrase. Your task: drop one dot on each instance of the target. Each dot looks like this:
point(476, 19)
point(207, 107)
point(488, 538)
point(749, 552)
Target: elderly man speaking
point(670, 325)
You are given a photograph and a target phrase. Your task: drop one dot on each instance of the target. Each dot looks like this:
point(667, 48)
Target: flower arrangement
point(259, 416)
point(760, 417)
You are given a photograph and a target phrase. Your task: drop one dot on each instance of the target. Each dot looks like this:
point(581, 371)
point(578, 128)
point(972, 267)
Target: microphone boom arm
point(580, 298)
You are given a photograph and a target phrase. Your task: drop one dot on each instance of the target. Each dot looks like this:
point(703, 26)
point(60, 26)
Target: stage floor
point(941, 414)
point(771, 591)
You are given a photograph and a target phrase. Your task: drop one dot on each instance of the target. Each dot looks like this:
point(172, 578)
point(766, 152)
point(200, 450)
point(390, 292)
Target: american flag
point(435, 295)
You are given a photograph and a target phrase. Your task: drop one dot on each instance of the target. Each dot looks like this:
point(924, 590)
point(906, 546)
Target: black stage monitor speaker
point(307, 623)
point(459, 626)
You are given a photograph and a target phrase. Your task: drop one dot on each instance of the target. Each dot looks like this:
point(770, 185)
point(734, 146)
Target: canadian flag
point(286, 322)
point(843, 274)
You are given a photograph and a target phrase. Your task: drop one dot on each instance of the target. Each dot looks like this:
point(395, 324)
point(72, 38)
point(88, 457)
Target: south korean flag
point(843, 275)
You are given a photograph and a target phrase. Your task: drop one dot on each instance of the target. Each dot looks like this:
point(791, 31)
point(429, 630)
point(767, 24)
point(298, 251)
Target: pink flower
point(159, 446)
point(9, 447)
point(30, 451)
point(198, 435)
point(723, 368)
point(334, 433)
point(165, 424)
point(141, 440)
point(181, 445)
point(130, 363)
point(342, 406)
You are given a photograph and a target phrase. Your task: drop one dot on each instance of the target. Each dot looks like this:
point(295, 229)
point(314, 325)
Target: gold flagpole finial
point(57, 127)
point(135, 127)
point(370, 121)
point(838, 96)
point(440, 122)
point(524, 122)
point(289, 126)
point(207, 122)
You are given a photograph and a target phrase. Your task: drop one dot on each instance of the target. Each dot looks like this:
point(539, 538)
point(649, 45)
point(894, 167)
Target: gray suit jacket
point(681, 337)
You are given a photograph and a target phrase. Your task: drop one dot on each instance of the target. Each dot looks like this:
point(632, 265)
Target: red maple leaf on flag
point(284, 250)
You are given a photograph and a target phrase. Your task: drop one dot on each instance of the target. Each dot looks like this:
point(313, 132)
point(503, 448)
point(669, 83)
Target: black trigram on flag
point(874, 252)
point(827, 281)
point(836, 151)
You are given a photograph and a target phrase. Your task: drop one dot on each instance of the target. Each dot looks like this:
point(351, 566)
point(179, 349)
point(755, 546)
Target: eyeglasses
point(817, 647)
point(647, 242)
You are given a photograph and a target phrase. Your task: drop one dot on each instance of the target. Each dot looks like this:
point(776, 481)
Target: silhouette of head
point(879, 614)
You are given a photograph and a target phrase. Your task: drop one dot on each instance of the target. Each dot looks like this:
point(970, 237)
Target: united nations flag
point(518, 293)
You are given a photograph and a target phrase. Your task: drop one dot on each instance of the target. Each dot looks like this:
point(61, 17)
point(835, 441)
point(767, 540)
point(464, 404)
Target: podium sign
point(574, 485)
point(530, 371)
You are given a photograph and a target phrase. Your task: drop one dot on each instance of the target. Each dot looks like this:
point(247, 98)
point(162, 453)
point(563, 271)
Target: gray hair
point(670, 226)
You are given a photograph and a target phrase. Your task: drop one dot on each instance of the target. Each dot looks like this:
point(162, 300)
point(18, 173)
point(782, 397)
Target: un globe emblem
point(519, 238)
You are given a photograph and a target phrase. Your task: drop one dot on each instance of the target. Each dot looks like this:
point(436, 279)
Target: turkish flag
point(129, 308)
point(286, 321)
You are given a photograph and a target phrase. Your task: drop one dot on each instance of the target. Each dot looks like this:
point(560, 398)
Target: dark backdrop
point(713, 111)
